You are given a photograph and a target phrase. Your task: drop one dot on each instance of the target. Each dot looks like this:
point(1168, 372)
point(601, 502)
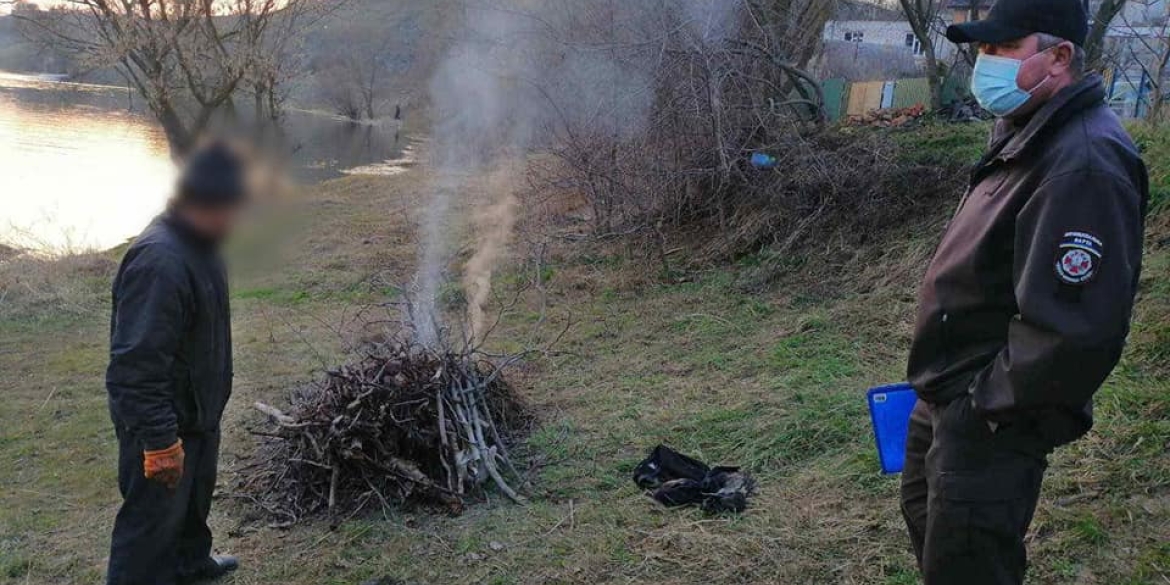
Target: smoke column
point(518, 69)
point(469, 102)
point(494, 229)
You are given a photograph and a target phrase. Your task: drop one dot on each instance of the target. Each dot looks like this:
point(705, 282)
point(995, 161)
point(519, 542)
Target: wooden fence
point(858, 98)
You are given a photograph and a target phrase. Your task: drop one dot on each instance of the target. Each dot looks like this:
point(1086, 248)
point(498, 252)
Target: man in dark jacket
point(170, 376)
point(1026, 306)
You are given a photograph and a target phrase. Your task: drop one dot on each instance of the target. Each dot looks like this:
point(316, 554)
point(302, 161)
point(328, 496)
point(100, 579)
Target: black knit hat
point(1011, 20)
point(214, 176)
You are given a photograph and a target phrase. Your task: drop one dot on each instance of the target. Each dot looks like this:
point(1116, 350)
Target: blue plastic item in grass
point(763, 161)
point(889, 409)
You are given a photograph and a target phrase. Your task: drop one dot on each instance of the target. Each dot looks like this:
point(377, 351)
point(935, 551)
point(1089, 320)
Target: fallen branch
point(275, 414)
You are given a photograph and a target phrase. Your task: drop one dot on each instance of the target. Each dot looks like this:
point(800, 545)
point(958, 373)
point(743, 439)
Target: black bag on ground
point(678, 480)
point(665, 464)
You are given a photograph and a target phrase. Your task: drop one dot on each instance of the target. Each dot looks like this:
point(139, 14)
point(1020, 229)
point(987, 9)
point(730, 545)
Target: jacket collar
point(1072, 100)
point(187, 232)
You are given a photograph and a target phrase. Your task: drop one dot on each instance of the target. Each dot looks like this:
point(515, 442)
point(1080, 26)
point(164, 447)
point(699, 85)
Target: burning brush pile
point(406, 424)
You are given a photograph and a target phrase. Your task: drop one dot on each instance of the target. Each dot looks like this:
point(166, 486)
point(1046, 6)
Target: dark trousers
point(968, 495)
point(161, 536)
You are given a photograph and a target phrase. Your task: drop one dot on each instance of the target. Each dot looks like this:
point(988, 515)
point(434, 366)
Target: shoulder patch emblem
point(1079, 258)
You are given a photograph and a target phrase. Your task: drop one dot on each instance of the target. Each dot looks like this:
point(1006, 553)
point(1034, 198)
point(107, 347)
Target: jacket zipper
point(946, 318)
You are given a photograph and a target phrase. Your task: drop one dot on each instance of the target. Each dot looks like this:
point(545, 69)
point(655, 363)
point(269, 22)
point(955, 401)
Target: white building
point(895, 34)
point(883, 43)
point(869, 42)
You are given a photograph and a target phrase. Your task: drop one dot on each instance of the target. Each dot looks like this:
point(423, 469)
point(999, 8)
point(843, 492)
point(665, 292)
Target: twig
point(48, 398)
point(275, 414)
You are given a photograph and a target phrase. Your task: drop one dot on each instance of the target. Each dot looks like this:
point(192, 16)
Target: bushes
point(850, 187)
point(837, 188)
point(1154, 141)
point(660, 135)
point(669, 149)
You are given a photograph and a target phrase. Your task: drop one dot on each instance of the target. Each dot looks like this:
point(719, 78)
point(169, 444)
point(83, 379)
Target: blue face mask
point(995, 87)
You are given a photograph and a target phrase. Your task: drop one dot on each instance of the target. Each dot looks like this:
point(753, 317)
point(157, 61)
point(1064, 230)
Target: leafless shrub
point(711, 88)
point(687, 101)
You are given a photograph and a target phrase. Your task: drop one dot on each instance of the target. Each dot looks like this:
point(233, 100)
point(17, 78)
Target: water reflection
point(79, 168)
point(324, 147)
point(72, 174)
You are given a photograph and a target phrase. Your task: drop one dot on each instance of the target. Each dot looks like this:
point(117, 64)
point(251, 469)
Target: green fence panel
point(911, 92)
point(835, 91)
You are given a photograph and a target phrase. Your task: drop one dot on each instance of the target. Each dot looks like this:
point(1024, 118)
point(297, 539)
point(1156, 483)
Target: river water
point(82, 167)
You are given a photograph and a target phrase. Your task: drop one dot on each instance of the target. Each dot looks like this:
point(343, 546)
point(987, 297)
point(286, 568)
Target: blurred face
point(1043, 72)
point(215, 223)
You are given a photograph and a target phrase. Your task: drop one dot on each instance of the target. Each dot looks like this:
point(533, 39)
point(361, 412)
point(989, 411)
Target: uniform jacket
point(1027, 302)
point(170, 369)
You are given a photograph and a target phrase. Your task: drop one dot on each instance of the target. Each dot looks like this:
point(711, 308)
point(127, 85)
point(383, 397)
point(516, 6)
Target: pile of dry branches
point(405, 424)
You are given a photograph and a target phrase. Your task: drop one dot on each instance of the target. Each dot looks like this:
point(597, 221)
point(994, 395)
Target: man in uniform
point(1026, 305)
point(170, 376)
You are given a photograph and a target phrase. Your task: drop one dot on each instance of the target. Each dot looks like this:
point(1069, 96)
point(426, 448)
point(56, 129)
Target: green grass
point(940, 143)
point(1154, 142)
point(1089, 531)
point(1153, 564)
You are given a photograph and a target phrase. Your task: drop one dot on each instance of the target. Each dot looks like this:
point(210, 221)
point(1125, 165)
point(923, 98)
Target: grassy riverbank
point(773, 381)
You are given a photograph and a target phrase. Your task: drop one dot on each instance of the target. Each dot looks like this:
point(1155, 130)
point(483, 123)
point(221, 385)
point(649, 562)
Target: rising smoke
point(494, 228)
point(519, 71)
point(474, 94)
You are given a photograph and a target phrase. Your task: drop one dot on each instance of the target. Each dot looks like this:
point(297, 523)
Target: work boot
point(215, 567)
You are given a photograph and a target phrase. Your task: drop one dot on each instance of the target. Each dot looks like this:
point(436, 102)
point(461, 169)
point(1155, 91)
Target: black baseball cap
point(1010, 20)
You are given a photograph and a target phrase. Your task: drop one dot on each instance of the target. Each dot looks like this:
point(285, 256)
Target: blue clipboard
point(889, 410)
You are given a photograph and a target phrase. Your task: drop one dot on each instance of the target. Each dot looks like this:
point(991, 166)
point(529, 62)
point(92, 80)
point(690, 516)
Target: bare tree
point(689, 91)
point(1139, 54)
point(1157, 77)
point(279, 54)
point(186, 58)
point(793, 27)
point(355, 78)
point(1094, 45)
point(923, 16)
point(967, 53)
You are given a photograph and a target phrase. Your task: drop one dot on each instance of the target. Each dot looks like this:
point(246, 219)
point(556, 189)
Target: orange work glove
point(165, 466)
